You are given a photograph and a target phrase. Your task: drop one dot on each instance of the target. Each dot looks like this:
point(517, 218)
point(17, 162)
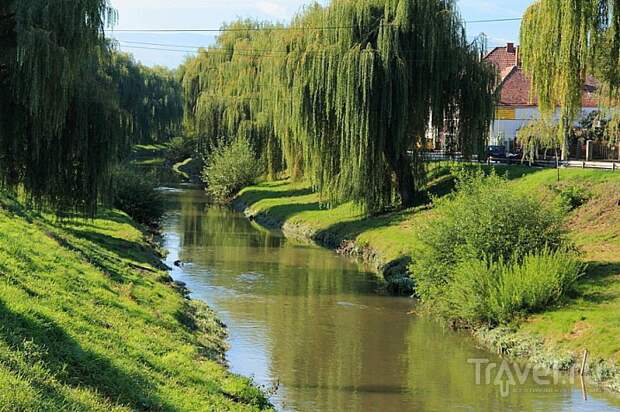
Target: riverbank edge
point(505, 341)
point(395, 272)
point(198, 313)
point(194, 315)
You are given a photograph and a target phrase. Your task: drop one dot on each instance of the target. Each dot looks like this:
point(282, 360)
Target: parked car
point(496, 151)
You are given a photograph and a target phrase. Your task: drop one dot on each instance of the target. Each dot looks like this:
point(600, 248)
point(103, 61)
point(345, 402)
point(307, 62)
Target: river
point(318, 327)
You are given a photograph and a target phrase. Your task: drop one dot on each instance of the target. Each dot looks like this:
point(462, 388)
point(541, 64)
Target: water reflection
point(313, 321)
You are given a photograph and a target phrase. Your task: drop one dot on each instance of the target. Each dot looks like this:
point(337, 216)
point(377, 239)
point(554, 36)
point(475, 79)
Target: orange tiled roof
point(516, 85)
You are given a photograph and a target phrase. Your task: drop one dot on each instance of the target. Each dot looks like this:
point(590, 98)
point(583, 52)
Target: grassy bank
point(149, 154)
point(385, 241)
point(589, 320)
point(89, 321)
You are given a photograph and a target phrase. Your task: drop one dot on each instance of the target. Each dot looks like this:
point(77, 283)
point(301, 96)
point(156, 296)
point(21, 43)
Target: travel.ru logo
point(508, 376)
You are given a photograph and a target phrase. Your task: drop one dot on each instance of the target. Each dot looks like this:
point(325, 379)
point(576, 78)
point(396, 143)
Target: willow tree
point(346, 93)
point(538, 135)
point(58, 111)
point(150, 98)
point(223, 96)
point(564, 41)
point(361, 96)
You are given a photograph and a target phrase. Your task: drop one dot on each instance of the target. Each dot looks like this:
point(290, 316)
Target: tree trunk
point(405, 182)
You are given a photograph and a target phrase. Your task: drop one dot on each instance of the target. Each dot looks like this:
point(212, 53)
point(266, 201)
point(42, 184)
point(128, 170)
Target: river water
point(318, 327)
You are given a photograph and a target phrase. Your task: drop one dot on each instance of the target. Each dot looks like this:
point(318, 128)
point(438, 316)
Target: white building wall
point(504, 129)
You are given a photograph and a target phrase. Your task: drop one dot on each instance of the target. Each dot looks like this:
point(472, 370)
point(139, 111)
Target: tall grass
point(496, 292)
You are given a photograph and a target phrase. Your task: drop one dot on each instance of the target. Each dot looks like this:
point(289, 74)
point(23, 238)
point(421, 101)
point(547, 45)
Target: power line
point(198, 47)
point(253, 53)
point(278, 28)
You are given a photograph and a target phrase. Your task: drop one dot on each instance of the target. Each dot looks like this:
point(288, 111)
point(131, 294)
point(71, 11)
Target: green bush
point(230, 168)
point(180, 149)
point(572, 196)
point(490, 253)
point(135, 194)
point(493, 293)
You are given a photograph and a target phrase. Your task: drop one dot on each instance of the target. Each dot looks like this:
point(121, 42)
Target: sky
point(210, 14)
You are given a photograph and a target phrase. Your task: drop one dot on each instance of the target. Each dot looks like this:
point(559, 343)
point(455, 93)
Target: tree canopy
point(345, 94)
point(58, 118)
point(564, 41)
point(152, 99)
point(68, 105)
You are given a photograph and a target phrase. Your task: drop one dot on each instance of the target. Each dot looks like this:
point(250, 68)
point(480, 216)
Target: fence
point(582, 164)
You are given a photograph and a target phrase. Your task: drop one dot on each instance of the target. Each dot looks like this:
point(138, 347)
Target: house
point(516, 107)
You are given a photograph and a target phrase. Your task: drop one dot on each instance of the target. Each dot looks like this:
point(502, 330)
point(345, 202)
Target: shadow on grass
point(42, 341)
point(252, 196)
point(125, 249)
point(349, 230)
point(599, 277)
point(109, 263)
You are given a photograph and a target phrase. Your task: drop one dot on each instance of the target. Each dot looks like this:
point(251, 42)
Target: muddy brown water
point(318, 327)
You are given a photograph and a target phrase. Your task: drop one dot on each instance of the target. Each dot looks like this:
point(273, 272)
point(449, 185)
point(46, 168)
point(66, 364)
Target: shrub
point(135, 194)
point(572, 196)
point(491, 252)
point(230, 168)
point(493, 293)
point(180, 149)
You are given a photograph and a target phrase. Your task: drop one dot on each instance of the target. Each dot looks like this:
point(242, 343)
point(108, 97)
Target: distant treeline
point(70, 105)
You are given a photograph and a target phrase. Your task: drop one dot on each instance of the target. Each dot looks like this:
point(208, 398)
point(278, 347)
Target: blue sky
point(208, 14)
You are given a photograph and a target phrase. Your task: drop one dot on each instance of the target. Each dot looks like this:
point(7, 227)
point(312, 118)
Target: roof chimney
point(510, 47)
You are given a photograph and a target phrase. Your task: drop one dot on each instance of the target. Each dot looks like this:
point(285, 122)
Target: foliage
point(612, 129)
point(180, 148)
point(538, 134)
point(573, 196)
point(562, 42)
point(59, 121)
point(230, 168)
point(151, 98)
point(69, 105)
point(135, 194)
point(487, 232)
point(481, 291)
point(345, 108)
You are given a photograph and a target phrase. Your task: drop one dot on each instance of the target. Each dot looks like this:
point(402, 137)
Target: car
point(496, 151)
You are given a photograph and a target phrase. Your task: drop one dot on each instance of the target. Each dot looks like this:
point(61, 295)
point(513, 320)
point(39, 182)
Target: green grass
point(296, 204)
point(89, 322)
point(590, 319)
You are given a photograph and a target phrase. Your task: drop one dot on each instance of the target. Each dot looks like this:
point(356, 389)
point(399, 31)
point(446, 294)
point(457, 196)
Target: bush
point(490, 253)
point(135, 194)
point(573, 197)
point(180, 149)
point(230, 168)
point(493, 293)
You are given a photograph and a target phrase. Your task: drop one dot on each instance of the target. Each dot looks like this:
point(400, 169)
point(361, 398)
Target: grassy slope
point(389, 235)
point(87, 322)
point(590, 320)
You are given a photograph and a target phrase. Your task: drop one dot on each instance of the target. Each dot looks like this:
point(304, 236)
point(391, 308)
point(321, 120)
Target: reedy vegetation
point(345, 107)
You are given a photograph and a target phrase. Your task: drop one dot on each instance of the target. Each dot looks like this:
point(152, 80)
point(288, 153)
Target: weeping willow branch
point(564, 41)
point(349, 109)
